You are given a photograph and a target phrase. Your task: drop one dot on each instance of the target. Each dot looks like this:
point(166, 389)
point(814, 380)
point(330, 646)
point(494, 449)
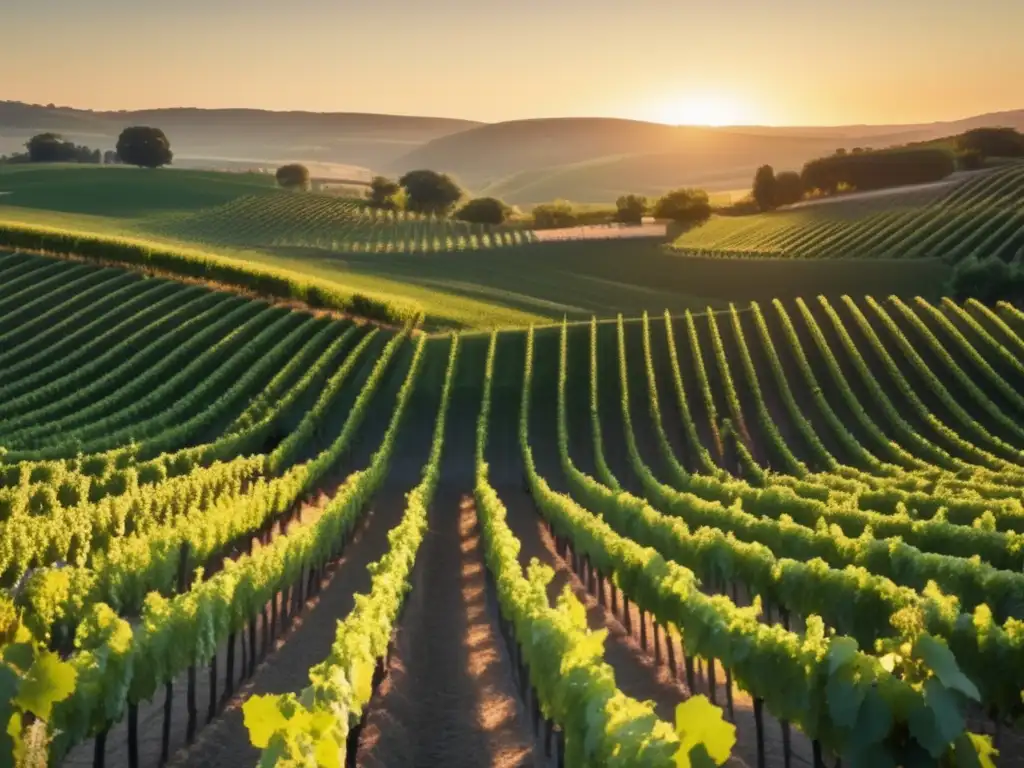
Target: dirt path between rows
point(449, 698)
point(601, 232)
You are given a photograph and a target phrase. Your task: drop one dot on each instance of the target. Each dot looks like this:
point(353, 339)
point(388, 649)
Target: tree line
point(142, 146)
point(864, 169)
point(429, 192)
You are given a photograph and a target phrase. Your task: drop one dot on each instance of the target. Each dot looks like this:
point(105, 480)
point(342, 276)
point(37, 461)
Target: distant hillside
point(249, 135)
point(522, 161)
point(714, 160)
point(595, 160)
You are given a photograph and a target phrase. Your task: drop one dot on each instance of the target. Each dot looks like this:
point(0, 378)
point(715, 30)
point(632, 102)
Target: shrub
point(686, 206)
point(383, 193)
point(988, 280)
point(630, 209)
point(992, 142)
point(970, 160)
point(293, 176)
point(483, 210)
point(554, 215)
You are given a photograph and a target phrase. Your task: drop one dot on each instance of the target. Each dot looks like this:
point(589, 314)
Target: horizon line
point(798, 126)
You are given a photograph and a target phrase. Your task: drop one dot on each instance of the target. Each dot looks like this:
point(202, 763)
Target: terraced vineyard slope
point(980, 217)
point(334, 224)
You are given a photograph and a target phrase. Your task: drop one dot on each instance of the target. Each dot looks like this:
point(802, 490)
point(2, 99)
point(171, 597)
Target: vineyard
point(777, 534)
point(981, 217)
point(332, 223)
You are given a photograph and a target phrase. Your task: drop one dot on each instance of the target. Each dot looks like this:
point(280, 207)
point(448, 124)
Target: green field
point(243, 218)
point(980, 217)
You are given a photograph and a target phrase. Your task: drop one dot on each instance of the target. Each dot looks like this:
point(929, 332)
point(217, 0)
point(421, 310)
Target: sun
point(704, 109)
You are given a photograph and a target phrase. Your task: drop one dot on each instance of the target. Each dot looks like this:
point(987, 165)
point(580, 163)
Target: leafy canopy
point(293, 176)
point(430, 192)
point(145, 147)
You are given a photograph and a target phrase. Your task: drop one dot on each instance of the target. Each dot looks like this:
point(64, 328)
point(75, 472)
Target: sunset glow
point(788, 63)
point(705, 109)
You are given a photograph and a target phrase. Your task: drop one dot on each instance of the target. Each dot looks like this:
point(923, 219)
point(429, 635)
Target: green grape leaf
point(844, 700)
point(868, 756)
point(12, 747)
point(48, 681)
point(942, 702)
point(275, 753)
point(841, 651)
point(9, 682)
point(263, 717)
point(698, 757)
point(975, 751)
point(19, 655)
point(874, 719)
point(699, 722)
point(925, 730)
point(942, 662)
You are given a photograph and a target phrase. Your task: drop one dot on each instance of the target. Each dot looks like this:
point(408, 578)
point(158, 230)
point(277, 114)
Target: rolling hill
point(976, 215)
point(455, 274)
point(595, 160)
point(521, 161)
point(245, 136)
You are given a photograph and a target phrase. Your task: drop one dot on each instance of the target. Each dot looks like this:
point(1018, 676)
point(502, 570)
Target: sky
point(752, 62)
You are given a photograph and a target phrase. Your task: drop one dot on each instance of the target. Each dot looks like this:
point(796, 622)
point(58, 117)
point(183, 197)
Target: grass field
point(491, 287)
point(980, 216)
point(753, 505)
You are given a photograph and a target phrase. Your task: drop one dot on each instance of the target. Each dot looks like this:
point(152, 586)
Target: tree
point(970, 160)
point(764, 189)
point(554, 215)
point(993, 142)
point(686, 206)
point(382, 192)
point(47, 148)
point(293, 176)
point(52, 148)
point(483, 210)
point(110, 157)
point(430, 192)
point(630, 209)
point(878, 170)
point(988, 280)
point(144, 146)
point(789, 188)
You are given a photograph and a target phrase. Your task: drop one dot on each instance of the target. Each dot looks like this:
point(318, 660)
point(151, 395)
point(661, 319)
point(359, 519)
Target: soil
point(601, 232)
point(449, 698)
